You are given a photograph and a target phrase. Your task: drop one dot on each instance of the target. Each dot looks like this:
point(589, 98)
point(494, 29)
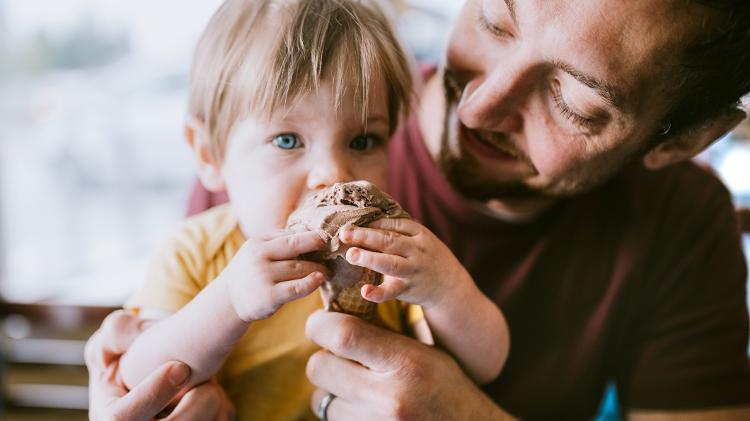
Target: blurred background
point(94, 171)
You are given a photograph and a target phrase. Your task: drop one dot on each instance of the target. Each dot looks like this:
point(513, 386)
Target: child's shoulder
point(206, 232)
point(217, 217)
point(188, 260)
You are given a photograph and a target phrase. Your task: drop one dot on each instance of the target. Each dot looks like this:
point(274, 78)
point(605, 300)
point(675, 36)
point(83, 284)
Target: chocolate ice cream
point(354, 203)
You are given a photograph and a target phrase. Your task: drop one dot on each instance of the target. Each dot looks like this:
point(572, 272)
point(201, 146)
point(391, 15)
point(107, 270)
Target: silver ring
point(323, 406)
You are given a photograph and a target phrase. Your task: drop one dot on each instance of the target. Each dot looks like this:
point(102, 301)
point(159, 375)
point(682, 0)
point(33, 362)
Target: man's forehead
point(623, 44)
point(652, 25)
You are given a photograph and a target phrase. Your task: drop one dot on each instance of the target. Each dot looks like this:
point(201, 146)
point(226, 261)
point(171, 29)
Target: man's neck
point(430, 116)
point(516, 211)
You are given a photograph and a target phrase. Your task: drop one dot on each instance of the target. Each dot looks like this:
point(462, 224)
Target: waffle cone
point(343, 292)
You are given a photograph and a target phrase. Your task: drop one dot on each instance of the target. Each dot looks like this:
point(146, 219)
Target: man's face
point(552, 97)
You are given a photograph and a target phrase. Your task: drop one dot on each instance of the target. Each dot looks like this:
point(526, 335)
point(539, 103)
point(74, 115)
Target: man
point(562, 128)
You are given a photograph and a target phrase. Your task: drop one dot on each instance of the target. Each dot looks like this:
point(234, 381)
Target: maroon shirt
point(641, 282)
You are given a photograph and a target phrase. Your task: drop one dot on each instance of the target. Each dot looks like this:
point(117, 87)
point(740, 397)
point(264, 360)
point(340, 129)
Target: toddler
point(288, 97)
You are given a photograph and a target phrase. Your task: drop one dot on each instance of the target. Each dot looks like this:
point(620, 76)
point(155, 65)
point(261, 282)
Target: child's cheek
point(269, 214)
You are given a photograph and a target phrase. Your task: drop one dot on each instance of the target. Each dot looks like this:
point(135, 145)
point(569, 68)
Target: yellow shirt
point(265, 373)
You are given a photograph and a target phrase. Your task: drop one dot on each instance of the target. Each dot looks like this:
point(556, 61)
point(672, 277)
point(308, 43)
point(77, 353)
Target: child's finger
point(275, 234)
point(285, 270)
point(403, 226)
point(387, 264)
point(290, 246)
point(384, 241)
point(390, 289)
point(286, 291)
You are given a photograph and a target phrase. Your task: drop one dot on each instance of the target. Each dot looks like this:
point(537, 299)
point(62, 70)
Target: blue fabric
point(608, 410)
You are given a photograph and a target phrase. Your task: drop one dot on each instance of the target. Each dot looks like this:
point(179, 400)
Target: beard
point(462, 171)
point(467, 179)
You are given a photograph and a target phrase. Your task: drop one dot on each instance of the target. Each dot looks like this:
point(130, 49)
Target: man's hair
point(717, 66)
point(262, 56)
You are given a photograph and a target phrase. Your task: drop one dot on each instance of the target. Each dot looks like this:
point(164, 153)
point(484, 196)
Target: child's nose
point(327, 172)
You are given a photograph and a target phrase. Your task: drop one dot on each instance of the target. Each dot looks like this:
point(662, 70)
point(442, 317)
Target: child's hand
point(265, 274)
point(418, 267)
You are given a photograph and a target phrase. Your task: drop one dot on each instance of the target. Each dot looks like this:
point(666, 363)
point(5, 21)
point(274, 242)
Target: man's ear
point(209, 166)
point(690, 142)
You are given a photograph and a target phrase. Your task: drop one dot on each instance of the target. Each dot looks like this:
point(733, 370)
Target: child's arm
point(473, 329)
point(421, 270)
point(260, 278)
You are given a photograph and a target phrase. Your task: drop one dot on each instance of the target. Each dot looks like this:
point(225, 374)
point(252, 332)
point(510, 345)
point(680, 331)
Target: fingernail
point(179, 374)
point(353, 254)
point(346, 235)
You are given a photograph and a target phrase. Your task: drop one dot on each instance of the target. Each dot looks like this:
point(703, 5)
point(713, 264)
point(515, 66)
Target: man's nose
point(495, 100)
point(326, 171)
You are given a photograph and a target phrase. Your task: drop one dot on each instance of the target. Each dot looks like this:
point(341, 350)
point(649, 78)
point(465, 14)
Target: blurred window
point(93, 170)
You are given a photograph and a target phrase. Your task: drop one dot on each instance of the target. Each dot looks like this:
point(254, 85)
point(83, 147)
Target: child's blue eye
point(363, 143)
point(286, 141)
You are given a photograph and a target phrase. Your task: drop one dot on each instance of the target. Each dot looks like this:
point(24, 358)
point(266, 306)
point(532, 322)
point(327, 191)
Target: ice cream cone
point(329, 211)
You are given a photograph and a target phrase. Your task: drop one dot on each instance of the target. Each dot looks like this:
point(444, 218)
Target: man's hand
point(379, 375)
point(110, 400)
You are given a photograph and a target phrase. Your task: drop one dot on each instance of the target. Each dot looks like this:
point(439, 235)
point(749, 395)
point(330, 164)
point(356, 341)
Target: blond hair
point(262, 56)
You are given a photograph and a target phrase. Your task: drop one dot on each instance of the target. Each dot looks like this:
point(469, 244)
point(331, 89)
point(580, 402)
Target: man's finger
point(354, 339)
point(103, 390)
point(290, 246)
point(341, 377)
point(118, 331)
point(403, 226)
point(204, 402)
point(93, 353)
point(153, 394)
point(227, 411)
point(341, 409)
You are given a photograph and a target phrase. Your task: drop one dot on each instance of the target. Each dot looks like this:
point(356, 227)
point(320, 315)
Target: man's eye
point(491, 27)
point(363, 143)
point(488, 25)
point(287, 141)
point(567, 112)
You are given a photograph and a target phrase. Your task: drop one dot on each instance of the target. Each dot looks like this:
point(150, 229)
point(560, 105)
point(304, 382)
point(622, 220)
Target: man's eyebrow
point(605, 90)
point(511, 4)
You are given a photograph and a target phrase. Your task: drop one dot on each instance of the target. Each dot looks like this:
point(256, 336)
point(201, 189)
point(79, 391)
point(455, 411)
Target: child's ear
point(689, 143)
point(209, 167)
